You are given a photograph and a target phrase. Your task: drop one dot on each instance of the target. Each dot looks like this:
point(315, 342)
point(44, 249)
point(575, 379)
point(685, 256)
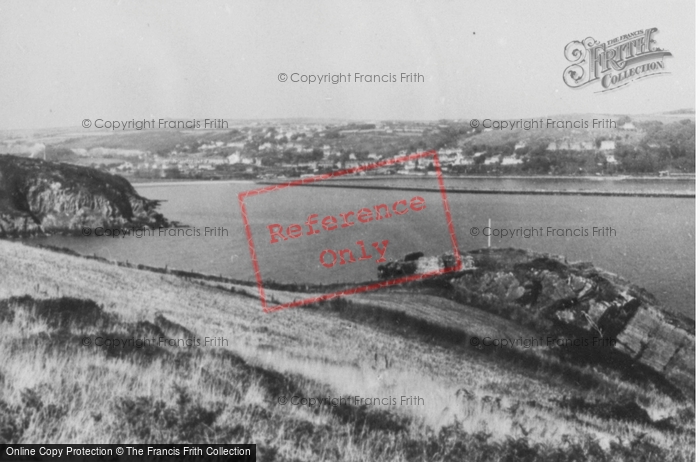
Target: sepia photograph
point(427, 230)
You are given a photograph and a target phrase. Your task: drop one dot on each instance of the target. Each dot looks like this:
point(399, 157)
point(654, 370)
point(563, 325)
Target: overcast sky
point(69, 60)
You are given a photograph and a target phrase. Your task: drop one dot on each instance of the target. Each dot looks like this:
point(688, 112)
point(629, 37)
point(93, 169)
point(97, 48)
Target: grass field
point(489, 404)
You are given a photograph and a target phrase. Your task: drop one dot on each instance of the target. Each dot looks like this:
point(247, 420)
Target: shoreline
point(346, 182)
point(542, 192)
point(674, 179)
point(519, 177)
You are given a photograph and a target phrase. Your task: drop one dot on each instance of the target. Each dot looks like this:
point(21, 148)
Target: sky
point(66, 61)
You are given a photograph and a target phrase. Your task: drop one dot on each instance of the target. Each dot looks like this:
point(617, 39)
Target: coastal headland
point(38, 197)
point(92, 329)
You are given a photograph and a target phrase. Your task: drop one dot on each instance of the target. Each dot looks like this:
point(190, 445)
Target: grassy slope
point(55, 390)
point(498, 137)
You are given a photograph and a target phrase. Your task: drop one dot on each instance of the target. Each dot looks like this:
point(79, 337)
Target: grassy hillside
point(489, 404)
point(535, 135)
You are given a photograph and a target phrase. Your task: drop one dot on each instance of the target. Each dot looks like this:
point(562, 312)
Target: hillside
point(565, 144)
point(486, 404)
point(589, 133)
point(39, 197)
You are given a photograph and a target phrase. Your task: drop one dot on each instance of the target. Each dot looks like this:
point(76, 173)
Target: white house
point(445, 155)
point(445, 152)
point(607, 145)
point(511, 160)
point(462, 160)
point(234, 158)
point(609, 158)
point(425, 161)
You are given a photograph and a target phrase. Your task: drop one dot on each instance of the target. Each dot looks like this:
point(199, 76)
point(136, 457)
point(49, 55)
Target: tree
point(316, 154)
point(623, 120)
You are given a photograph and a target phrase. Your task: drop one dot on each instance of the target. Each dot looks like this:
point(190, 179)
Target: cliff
point(38, 197)
point(569, 301)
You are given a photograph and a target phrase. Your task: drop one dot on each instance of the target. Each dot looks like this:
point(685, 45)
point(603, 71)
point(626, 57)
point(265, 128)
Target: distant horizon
point(681, 111)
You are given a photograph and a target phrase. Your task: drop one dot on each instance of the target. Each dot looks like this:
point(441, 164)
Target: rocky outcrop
point(38, 197)
point(574, 301)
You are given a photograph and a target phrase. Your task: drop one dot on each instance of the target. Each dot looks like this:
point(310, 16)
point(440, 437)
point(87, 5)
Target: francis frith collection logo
point(615, 63)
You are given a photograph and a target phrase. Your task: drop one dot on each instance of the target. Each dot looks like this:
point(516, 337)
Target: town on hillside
point(655, 145)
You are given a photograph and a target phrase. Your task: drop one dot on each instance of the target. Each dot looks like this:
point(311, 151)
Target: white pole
point(489, 238)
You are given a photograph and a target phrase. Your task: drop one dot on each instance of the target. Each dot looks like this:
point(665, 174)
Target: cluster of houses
point(206, 159)
point(448, 157)
point(256, 142)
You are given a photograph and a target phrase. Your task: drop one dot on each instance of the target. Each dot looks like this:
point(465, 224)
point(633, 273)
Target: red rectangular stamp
point(314, 229)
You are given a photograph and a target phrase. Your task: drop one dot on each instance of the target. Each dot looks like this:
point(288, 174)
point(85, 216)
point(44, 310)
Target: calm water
point(653, 245)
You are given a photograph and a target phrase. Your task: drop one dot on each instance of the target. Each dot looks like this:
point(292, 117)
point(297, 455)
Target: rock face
point(38, 197)
point(574, 300)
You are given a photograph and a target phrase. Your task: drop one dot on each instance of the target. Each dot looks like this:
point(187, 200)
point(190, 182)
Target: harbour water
point(649, 241)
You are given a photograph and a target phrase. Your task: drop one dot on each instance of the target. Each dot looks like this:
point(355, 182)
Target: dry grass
point(476, 406)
